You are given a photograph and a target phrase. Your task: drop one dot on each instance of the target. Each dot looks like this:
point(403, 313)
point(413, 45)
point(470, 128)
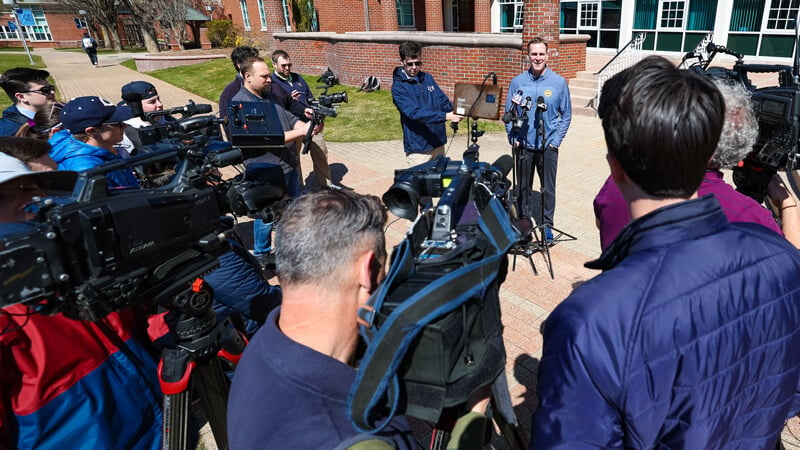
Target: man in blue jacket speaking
point(423, 107)
point(689, 337)
point(550, 93)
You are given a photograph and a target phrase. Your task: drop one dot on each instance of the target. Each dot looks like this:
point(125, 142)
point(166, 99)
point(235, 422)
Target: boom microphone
point(503, 165)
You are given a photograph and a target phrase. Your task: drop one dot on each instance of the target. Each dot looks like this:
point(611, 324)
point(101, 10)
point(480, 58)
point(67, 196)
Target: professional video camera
point(777, 109)
point(100, 250)
point(324, 106)
point(433, 328)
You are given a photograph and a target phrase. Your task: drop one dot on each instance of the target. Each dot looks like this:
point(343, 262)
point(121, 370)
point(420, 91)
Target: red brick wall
point(62, 28)
point(572, 58)
point(353, 61)
point(483, 16)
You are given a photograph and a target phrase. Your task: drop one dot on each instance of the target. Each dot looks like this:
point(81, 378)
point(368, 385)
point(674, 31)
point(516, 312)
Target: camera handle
point(194, 359)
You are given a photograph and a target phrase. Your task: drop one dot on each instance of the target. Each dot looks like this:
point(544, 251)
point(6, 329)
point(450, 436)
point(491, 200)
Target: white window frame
point(783, 6)
point(516, 25)
point(285, 6)
point(39, 16)
point(595, 25)
point(660, 17)
point(413, 25)
point(245, 15)
point(262, 15)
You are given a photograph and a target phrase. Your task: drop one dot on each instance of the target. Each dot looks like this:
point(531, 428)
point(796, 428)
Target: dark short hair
point(247, 63)
point(662, 125)
point(410, 49)
point(322, 232)
point(536, 40)
point(24, 149)
point(240, 53)
point(278, 54)
point(16, 80)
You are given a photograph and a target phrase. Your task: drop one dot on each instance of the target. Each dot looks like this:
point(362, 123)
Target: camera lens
point(402, 198)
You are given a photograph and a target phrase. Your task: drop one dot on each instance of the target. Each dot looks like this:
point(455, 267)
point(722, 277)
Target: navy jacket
point(11, 121)
point(689, 339)
point(287, 395)
point(423, 107)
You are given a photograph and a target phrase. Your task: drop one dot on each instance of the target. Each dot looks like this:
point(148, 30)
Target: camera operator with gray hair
point(291, 386)
point(737, 139)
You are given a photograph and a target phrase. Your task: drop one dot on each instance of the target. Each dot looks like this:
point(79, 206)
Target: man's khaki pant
point(415, 159)
point(318, 150)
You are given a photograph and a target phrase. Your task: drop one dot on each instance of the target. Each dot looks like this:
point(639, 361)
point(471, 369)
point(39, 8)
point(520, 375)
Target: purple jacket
point(612, 212)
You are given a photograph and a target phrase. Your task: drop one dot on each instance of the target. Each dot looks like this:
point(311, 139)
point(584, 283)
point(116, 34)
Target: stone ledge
point(147, 63)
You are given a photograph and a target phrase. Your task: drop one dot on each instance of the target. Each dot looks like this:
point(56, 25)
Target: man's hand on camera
point(295, 94)
point(309, 113)
point(318, 129)
point(453, 117)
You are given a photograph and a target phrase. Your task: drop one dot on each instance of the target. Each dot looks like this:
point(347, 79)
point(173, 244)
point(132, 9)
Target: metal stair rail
point(700, 50)
point(629, 55)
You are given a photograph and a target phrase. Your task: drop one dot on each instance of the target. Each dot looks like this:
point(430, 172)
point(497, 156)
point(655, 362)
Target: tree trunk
point(106, 36)
point(117, 40)
point(150, 42)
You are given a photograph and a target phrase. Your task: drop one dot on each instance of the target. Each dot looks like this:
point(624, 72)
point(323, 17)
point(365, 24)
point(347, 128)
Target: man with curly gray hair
point(739, 135)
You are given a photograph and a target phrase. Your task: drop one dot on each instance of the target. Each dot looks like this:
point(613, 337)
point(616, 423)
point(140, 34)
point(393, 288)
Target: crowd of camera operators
point(687, 339)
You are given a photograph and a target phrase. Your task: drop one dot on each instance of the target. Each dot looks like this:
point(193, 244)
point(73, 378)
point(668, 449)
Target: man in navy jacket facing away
point(689, 337)
point(423, 107)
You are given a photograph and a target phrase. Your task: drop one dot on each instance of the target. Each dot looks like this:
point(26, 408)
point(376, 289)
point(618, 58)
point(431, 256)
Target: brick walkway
point(368, 167)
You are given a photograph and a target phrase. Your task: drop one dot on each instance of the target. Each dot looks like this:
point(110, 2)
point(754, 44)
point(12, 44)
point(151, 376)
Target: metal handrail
point(629, 55)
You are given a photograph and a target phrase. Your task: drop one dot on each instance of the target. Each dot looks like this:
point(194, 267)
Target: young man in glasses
point(289, 85)
point(423, 107)
point(30, 92)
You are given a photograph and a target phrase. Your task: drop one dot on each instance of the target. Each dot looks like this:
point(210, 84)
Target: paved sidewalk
point(368, 167)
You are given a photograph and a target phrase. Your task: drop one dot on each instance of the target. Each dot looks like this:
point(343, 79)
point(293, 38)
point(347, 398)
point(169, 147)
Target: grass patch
point(206, 79)
point(367, 117)
point(102, 51)
point(13, 49)
point(129, 63)
point(11, 61)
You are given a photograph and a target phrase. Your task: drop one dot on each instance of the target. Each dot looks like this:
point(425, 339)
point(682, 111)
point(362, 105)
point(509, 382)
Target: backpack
point(370, 84)
point(89, 43)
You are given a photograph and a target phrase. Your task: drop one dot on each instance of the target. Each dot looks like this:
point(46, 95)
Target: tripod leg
point(174, 372)
point(213, 386)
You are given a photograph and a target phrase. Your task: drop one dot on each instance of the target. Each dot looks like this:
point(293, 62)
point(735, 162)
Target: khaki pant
point(318, 150)
point(415, 159)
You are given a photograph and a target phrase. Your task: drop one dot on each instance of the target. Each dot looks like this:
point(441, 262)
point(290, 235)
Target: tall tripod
point(200, 343)
point(534, 239)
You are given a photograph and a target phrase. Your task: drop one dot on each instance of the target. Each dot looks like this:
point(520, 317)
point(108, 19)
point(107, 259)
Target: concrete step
point(581, 111)
point(584, 83)
point(585, 91)
point(584, 75)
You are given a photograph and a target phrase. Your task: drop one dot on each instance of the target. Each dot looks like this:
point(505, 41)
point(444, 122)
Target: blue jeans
point(262, 231)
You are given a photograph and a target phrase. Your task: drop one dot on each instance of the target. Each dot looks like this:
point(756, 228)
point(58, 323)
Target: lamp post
point(19, 30)
point(86, 22)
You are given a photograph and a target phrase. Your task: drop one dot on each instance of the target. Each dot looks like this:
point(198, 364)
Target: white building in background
point(752, 27)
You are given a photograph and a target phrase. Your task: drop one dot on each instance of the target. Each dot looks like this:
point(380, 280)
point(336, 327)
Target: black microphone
point(508, 117)
point(134, 101)
point(503, 165)
point(540, 104)
point(517, 98)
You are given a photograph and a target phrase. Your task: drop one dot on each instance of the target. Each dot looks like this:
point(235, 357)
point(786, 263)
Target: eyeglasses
point(413, 63)
point(286, 66)
point(46, 90)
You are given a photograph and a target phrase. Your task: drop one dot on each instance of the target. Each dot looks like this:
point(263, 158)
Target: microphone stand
point(541, 243)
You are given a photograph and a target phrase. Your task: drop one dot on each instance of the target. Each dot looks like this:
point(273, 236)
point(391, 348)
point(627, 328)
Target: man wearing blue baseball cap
point(92, 126)
point(150, 102)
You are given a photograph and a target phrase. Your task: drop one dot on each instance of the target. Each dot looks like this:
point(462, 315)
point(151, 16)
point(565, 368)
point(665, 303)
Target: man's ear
point(90, 130)
point(617, 172)
point(370, 271)
point(18, 97)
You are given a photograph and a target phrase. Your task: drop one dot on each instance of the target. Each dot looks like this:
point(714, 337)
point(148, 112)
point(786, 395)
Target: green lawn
point(367, 117)
point(11, 61)
point(13, 49)
point(103, 51)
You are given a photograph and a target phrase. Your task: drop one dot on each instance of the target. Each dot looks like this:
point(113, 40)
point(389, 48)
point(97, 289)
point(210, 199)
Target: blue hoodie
point(12, 120)
point(423, 108)
point(72, 154)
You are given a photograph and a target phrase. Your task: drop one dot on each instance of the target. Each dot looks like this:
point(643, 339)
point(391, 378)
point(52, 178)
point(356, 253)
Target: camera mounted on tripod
point(433, 328)
point(100, 250)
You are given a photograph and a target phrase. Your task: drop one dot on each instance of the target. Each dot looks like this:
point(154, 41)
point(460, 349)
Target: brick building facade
point(356, 43)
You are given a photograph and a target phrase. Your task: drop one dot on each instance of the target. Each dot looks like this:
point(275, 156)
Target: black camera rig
point(433, 328)
point(777, 109)
point(324, 106)
point(100, 250)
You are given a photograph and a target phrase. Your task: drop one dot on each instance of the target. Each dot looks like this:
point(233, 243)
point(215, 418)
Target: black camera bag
point(433, 329)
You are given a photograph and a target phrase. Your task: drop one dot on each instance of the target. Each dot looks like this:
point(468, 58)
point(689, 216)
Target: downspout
point(366, 15)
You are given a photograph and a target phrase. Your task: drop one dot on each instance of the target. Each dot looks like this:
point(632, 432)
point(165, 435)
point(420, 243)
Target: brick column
point(389, 13)
point(541, 19)
point(483, 16)
point(434, 21)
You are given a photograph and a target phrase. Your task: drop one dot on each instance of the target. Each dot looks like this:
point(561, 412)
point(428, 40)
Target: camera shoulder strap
point(377, 376)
